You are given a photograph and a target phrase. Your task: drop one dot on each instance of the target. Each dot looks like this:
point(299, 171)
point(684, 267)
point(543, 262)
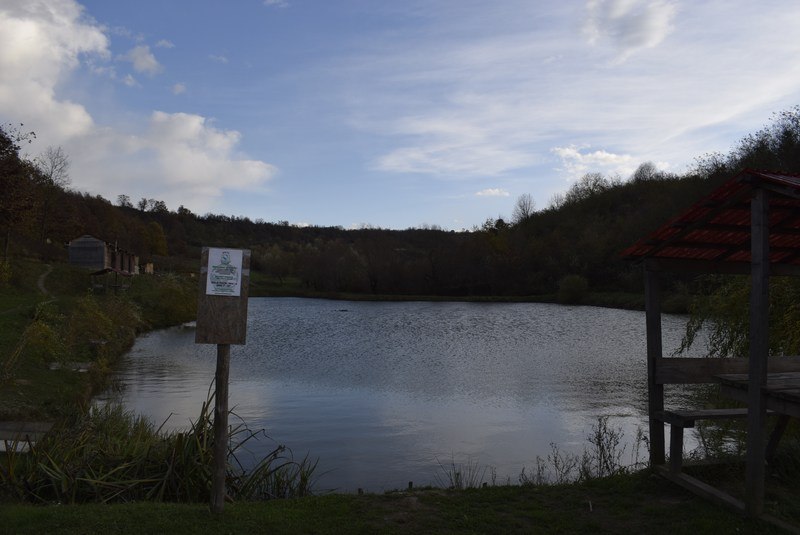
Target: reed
point(111, 455)
point(459, 476)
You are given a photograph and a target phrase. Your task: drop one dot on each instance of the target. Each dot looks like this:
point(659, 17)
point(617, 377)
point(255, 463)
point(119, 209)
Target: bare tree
point(524, 208)
point(124, 201)
point(52, 174)
point(53, 165)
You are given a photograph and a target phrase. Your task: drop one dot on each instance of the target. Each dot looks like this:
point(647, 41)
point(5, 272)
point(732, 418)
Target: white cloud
point(178, 89)
point(628, 25)
point(455, 145)
point(143, 60)
point(41, 42)
point(577, 163)
point(218, 58)
point(130, 81)
point(454, 103)
point(165, 43)
point(177, 157)
point(276, 3)
point(193, 152)
point(492, 192)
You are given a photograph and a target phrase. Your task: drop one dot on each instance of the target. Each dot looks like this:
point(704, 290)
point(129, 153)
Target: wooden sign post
point(222, 320)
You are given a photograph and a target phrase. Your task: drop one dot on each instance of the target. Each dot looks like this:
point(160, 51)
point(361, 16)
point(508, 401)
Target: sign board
point(224, 269)
point(222, 300)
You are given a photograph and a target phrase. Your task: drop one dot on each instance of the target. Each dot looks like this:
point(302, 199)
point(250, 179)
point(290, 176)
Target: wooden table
point(781, 394)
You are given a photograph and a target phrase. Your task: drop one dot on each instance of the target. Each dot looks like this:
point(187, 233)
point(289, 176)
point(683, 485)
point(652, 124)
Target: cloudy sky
point(393, 114)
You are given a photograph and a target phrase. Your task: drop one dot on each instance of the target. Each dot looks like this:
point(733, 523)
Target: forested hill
point(578, 237)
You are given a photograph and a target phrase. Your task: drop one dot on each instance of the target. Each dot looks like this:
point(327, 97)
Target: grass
point(107, 454)
point(71, 325)
point(618, 503)
point(634, 503)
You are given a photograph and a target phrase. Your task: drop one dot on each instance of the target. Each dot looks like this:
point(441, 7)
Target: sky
point(391, 114)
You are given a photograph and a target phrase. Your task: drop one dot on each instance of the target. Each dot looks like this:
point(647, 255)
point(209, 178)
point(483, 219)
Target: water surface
point(382, 393)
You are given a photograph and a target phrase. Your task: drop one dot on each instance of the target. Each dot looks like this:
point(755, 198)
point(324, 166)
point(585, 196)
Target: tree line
point(578, 236)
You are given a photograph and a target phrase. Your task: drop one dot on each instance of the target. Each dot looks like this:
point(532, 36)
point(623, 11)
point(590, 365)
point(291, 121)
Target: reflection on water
point(380, 391)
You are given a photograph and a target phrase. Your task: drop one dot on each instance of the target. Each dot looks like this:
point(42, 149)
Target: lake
point(382, 393)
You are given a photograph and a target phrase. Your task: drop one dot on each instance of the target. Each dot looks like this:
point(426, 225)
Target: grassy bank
point(67, 325)
point(57, 347)
point(636, 503)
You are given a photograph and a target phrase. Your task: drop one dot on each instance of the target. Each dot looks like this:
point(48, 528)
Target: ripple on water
point(381, 392)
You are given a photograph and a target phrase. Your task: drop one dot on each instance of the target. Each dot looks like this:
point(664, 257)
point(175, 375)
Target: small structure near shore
point(103, 259)
point(97, 255)
point(750, 225)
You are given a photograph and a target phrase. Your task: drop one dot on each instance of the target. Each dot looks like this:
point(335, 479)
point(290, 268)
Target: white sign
point(224, 272)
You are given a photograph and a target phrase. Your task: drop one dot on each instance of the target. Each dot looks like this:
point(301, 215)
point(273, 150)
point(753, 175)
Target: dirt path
point(40, 282)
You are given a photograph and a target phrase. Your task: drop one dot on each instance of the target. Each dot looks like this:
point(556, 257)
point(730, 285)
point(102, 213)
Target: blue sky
point(391, 114)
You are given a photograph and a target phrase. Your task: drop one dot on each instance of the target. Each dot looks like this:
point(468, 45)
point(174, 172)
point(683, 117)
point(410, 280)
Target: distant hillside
point(581, 234)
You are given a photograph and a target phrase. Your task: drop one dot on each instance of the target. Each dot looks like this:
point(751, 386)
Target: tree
point(159, 207)
point(53, 165)
point(124, 201)
point(647, 171)
point(16, 185)
point(524, 208)
point(52, 176)
point(588, 185)
point(157, 240)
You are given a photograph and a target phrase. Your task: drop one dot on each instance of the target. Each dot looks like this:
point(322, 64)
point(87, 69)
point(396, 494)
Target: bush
point(165, 299)
point(5, 274)
point(572, 289)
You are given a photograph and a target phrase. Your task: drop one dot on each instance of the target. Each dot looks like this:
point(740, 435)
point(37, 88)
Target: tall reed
point(111, 455)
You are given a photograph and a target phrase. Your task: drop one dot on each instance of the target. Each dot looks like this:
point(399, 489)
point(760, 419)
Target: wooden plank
point(681, 265)
point(686, 418)
point(703, 489)
point(222, 319)
point(24, 430)
point(687, 370)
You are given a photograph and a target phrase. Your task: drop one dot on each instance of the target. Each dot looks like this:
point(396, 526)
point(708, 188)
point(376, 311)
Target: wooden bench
point(20, 434)
point(679, 420)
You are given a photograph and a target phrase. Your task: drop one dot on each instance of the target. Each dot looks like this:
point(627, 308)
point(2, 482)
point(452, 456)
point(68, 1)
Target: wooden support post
point(675, 448)
point(655, 391)
point(759, 349)
point(220, 428)
point(222, 320)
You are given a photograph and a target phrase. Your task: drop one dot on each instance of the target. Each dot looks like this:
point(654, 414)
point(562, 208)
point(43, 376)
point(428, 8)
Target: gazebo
point(749, 225)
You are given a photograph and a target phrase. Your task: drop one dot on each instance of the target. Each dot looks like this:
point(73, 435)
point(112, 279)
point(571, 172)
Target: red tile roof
point(716, 229)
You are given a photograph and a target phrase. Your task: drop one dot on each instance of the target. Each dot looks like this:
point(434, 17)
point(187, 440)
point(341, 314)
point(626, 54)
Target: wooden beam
point(686, 370)
point(655, 390)
point(676, 265)
point(703, 489)
point(759, 350)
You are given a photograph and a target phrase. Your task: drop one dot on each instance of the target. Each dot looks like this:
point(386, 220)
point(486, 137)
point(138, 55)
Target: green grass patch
point(635, 503)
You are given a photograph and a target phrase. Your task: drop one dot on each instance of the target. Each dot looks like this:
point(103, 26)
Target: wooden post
point(220, 427)
point(759, 349)
point(655, 391)
point(222, 320)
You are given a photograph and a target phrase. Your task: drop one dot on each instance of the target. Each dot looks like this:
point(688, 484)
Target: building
point(100, 256)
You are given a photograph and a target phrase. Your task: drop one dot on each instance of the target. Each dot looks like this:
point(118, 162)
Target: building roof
point(713, 235)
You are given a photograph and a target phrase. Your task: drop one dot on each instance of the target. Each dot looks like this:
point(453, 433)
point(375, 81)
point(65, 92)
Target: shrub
point(5, 274)
point(572, 289)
